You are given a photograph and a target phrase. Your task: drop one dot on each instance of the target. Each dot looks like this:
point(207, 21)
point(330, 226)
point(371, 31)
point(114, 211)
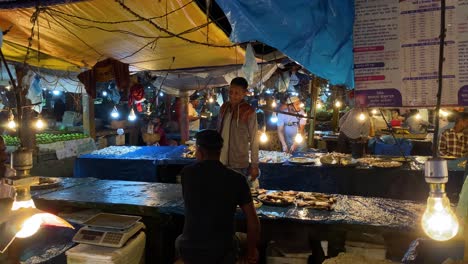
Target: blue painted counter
point(162, 164)
point(138, 165)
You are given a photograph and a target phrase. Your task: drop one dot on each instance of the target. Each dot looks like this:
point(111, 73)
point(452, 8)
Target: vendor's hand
point(293, 148)
point(285, 148)
point(252, 256)
point(253, 172)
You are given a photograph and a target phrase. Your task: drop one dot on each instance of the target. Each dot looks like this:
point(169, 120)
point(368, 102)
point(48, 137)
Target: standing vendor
point(193, 116)
point(354, 131)
point(289, 126)
point(237, 124)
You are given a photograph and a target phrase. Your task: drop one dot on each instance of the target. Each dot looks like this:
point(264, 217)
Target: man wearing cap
point(211, 193)
point(289, 126)
point(193, 116)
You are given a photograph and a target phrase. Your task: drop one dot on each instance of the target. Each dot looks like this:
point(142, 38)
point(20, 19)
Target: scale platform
point(108, 230)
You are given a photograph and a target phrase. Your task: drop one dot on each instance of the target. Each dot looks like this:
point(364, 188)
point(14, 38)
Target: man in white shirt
point(193, 116)
point(289, 126)
point(354, 131)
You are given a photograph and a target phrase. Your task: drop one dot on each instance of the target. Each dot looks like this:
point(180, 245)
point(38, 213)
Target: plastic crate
point(381, 148)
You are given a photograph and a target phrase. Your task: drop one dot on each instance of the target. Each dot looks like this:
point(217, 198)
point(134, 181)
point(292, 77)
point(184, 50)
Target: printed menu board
point(396, 53)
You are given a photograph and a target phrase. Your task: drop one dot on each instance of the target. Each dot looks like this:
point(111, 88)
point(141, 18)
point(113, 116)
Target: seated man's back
point(211, 194)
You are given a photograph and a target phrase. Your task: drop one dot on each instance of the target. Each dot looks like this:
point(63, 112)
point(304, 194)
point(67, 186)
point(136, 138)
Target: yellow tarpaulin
point(77, 35)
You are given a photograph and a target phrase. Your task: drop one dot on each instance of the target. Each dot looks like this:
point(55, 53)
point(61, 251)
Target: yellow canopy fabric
point(77, 35)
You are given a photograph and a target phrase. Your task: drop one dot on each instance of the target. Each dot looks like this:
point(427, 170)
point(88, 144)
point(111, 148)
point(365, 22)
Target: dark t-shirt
point(211, 194)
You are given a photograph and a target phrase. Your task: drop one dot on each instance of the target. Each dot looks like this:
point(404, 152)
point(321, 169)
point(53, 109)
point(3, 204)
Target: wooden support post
point(313, 91)
point(167, 106)
point(183, 119)
point(89, 127)
point(26, 130)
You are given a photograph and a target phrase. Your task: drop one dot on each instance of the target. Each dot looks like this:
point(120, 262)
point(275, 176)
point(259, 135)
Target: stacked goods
point(45, 138)
point(302, 199)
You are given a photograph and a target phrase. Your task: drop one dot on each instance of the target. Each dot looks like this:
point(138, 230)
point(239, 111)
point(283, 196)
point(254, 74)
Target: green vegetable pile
point(45, 138)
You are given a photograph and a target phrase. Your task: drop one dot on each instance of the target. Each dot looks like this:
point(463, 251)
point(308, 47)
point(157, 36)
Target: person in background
point(289, 126)
point(59, 109)
point(454, 142)
point(158, 129)
point(193, 116)
point(446, 121)
point(209, 231)
point(396, 118)
point(214, 108)
point(238, 126)
point(354, 131)
point(415, 123)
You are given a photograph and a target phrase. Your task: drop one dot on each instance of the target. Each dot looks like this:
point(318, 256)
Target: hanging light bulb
point(161, 94)
point(439, 221)
point(298, 138)
point(263, 137)
point(8, 87)
point(444, 113)
point(104, 93)
point(11, 124)
point(210, 100)
point(40, 123)
point(274, 118)
point(273, 104)
point(302, 105)
point(132, 116)
point(56, 92)
point(418, 116)
point(11, 121)
point(362, 117)
point(115, 112)
point(319, 105)
point(338, 104)
point(374, 111)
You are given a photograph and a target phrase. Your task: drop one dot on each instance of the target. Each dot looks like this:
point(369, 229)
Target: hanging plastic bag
point(250, 66)
point(114, 93)
point(35, 93)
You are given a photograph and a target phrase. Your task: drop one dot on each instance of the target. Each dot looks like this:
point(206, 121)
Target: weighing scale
point(108, 230)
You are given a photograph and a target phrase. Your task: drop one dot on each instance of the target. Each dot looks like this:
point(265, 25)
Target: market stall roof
point(148, 35)
point(185, 82)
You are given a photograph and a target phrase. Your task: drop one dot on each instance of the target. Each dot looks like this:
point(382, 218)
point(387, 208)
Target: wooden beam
point(89, 126)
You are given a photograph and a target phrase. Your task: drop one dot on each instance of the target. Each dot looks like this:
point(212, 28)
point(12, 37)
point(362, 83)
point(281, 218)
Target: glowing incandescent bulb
point(444, 113)
point(302, 105)
point(273, 104)
point(337, 104)
point(11, 124)
point(319, 105)
point(374, 111)
point(298, 138)
point(362, 117)
point(210, 100)
point(263, 137)
point(439, 221)
point(40, 124)
point(418, 116)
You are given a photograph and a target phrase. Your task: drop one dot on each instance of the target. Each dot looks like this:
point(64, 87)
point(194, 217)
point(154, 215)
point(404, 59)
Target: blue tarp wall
point(318, 34)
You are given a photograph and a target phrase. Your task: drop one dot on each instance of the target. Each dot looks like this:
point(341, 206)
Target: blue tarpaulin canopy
point(318, 34)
